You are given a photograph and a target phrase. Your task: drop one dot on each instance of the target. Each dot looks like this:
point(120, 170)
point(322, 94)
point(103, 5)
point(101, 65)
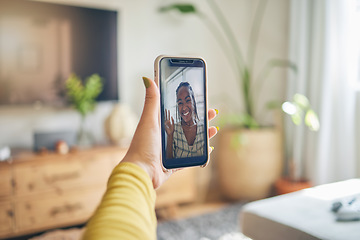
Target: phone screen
point(183, 91)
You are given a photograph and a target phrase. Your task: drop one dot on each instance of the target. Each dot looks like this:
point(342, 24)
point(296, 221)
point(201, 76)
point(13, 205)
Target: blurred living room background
point(283, 47)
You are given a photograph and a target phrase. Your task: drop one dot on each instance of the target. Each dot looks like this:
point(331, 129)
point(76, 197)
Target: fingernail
point(146, 82)
point(217, 128)
point(217, 111)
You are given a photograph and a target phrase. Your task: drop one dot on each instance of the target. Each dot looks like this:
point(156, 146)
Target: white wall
point(145, 33)
point(357, 139)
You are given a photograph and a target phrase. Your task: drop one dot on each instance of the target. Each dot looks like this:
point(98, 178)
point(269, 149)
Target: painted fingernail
point(217, 111)
point(146, 82)
point(217, 128)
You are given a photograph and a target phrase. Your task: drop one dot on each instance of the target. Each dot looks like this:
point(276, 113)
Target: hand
point(145, 147)
point(169, 125)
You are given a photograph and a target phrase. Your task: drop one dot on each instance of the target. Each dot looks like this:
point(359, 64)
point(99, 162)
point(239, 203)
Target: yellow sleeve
point(127, 208)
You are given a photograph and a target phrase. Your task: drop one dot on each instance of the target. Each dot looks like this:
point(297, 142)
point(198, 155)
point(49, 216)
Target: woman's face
point(185, 104)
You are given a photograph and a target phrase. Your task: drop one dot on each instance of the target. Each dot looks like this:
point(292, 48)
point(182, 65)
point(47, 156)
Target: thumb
point(152, 101)
point(149, 120)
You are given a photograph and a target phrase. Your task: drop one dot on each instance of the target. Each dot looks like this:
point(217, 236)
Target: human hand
point(145, 147)
point(169, 125)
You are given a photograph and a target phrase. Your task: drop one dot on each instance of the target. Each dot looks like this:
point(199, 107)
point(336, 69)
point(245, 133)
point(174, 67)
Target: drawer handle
point(67, 208)
point(10, 213)
point(60, 177)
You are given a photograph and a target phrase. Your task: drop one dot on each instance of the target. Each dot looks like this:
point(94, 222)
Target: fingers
point(213, 131)
point(172, 120)
point(212, 113)
point(211, 149)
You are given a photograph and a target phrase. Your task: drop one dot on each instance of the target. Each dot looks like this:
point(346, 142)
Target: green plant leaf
point(283, 63)
point(183, 8)
point(312, 120)
point(300, 107)
point(242, 120)
point(83, 96)
point(250, 122)
point(296, 118)
point(302, 101)
point(93, 86)
point(273, 104)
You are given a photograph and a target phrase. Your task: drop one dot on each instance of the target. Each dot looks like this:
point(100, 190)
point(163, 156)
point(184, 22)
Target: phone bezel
point(177, 163)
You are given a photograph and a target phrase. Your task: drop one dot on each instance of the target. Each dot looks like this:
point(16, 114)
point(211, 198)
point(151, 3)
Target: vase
point(84, 138)
point(120, 125)
point(248, 162)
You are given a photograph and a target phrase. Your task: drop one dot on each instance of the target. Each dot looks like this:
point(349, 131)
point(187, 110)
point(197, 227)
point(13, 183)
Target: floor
point(179, 212)
point(211, 202)
point(210, 226)
point(189, 210)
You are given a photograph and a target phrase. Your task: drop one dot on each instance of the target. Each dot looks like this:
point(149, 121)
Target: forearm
point(169, 147)
point(127, 208)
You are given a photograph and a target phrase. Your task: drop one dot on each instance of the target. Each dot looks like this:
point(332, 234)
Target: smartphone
point(183, 111)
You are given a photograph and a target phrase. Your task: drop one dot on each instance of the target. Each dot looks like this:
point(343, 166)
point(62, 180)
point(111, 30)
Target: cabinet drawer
point(34, 178)
point(6, 218)
point(49, 210)
point(5, 180)
point(179, 188)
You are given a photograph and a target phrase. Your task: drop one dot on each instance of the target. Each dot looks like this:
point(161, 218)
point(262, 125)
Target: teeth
point(185, 114)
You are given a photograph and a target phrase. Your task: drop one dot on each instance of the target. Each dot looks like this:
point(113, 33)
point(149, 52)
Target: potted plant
point(249, 155)
point(82, 96)
point(301, 113)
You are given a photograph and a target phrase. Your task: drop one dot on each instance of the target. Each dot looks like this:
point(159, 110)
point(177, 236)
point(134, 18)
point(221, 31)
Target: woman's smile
point(185, 105)
point(185, 113)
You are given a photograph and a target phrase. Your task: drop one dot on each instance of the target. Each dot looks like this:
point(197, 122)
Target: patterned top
point(181, 148)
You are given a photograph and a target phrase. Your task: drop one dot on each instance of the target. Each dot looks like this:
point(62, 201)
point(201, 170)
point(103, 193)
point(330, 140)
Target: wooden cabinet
point(179, 188)
point(52, 210)
point(5, 180)
point(41, 192)
point(61, 174)
point(6, 217)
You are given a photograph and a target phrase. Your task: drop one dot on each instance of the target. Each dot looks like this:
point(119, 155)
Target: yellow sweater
point(127, 208)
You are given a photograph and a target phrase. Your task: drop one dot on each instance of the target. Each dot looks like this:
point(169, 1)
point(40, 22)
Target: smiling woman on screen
point(185, 138)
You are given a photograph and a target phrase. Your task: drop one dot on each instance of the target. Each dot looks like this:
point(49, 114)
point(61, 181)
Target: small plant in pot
point(301, 113)
point(82, 96)
point(249, 155)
